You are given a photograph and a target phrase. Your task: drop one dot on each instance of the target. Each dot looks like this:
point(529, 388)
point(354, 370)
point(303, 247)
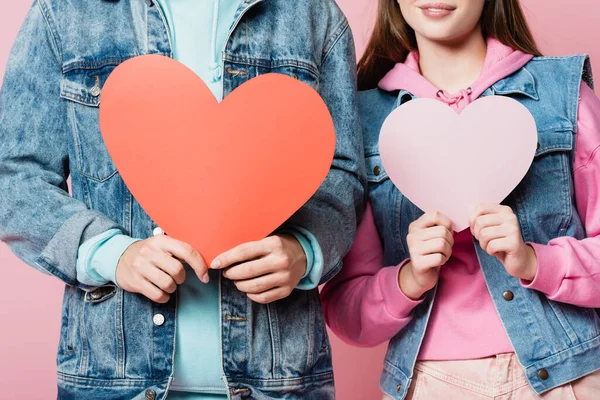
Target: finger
point(433, 261)
point(249, 270)
point(491, 233)
point(270, 295)
point(174, 268)
point(432, 219)
point(184, 252)
point(437, 232)
point(152, 292)
point(485, 221)
point(160, 279)
point(244, 252)
point(435, 246)
point(262, 284)
point(488, 208)
point(496, 246)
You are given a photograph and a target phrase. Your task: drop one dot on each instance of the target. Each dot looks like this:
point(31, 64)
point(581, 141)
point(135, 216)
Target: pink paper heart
point(449, 162)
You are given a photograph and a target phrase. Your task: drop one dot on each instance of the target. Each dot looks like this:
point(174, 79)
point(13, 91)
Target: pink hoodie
point(364, 304)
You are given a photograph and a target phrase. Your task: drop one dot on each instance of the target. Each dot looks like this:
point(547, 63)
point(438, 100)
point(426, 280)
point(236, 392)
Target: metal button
point(150, 394)
point(377, 170)
point(543, 374)
point(95, 90)
point(158, 319)
point(158, 231)
point(508, 295)
point(399, 387)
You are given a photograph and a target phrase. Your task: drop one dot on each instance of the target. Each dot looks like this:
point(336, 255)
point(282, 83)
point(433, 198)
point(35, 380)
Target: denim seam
point(275, 345)
point(102, 63)
point(52, 30)
point(83, 362)
point(97, 382)
point(120, 336)
point(273, 383)
point(311, 330)
point(339, 32)
point(281, 63)
point(566, 194)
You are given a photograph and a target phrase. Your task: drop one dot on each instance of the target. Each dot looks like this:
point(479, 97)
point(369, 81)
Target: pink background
point(30, 301)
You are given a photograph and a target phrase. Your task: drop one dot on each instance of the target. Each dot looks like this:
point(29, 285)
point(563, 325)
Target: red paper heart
point(215, 175)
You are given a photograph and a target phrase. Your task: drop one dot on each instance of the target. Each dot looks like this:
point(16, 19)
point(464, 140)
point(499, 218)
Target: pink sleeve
point(569, 269)
point(363, 304)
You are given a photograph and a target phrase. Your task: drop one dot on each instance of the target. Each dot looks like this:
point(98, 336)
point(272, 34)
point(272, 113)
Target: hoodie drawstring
point(455, 99)
point(215, 67)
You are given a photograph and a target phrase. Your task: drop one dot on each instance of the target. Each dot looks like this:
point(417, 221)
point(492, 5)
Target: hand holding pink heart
point(449, 162)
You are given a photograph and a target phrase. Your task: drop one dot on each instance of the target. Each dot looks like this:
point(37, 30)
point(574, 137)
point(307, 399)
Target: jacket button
point(158, 231)
point(158, 319)
point(508, 295)
point(543, 374)
point(377, 170)
point(150, 394)
point(399, 387)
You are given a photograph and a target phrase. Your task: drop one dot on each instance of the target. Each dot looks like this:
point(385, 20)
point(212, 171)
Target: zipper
point(235, 25)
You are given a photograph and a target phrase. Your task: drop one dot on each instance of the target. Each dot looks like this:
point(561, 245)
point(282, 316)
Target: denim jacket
point(116, 344)
point(554, 342)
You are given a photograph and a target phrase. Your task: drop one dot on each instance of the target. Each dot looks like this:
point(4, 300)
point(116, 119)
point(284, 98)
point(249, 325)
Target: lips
point(437, 6)
point(437, 10)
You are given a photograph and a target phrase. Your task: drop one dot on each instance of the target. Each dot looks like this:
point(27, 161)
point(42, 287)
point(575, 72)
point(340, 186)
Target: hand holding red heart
point(497, 229)
point(267, 270)
point(152, 267)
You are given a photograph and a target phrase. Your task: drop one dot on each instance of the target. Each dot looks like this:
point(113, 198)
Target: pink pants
point(499, 378)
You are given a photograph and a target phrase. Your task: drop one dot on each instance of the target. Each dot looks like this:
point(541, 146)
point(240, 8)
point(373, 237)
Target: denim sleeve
point(39, 221)
point(331, 215)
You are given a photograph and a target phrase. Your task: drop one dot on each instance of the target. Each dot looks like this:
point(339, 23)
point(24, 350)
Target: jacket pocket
point(544, 198)
point(82, 89)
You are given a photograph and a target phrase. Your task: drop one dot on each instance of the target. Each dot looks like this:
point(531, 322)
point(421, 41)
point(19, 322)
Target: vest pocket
point(543, 199)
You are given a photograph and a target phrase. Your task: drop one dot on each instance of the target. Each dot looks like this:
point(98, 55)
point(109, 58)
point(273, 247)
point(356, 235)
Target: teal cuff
point(314, 256)
point(98, 257)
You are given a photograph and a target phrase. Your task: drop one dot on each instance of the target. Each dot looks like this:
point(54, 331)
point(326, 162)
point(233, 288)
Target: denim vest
point(115, 344)
point(554, 342)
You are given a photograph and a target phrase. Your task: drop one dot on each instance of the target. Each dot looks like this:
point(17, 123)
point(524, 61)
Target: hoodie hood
point(500, 62)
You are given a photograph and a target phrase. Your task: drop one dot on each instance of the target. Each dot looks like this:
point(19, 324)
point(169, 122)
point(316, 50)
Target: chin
point(440, 35)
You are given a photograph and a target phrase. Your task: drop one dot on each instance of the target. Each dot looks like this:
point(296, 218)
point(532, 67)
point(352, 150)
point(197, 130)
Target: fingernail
point(205, 278)
point(216, 264)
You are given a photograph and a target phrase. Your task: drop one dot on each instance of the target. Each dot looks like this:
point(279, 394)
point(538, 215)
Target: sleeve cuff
point(548, 276)
point(397, 304)
point(99, 256)
point(314, 257)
